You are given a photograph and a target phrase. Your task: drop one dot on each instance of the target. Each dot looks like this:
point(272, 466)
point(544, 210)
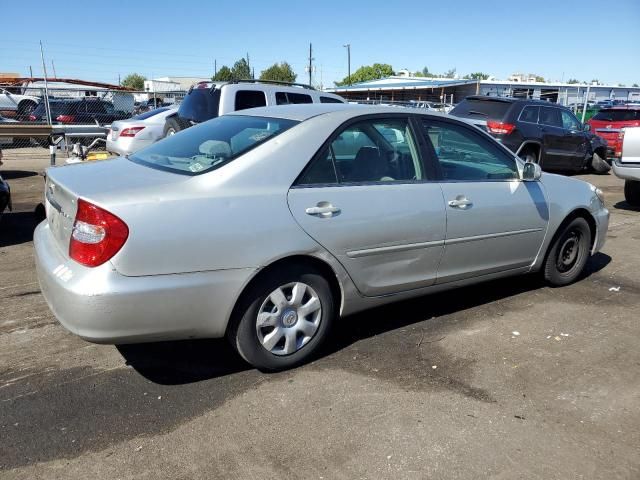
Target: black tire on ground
point(171, 126)
point(632, 192)
point(568, 253)
point(243, 330)
point(599, 164)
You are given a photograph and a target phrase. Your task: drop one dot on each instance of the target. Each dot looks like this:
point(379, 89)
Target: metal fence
point(37, 116)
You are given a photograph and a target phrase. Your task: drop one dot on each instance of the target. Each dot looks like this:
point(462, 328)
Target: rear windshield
point(150, 113)
point(57, 108)
point(200, 105)
point(209, 146)
point(493, 109)
point(611, 115)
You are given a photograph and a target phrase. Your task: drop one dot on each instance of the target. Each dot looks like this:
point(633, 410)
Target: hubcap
point(288, 318)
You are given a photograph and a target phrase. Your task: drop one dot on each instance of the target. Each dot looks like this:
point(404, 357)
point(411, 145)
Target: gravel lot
point(437, 387)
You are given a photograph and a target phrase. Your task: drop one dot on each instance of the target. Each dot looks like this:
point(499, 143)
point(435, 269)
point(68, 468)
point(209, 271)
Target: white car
point(17, 104)
point(6, 140)
point(129, 136)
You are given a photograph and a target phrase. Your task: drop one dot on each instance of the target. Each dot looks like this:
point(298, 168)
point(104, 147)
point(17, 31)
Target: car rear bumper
point(103, 306)
point(127, 145)
point(629, 171)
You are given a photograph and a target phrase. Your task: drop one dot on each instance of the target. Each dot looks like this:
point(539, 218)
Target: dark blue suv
point(537, 131)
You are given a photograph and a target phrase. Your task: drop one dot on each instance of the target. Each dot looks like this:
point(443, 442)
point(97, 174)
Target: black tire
point(243, 330)
point(25, 108)
point(568, 253)
point(599, 164)
point(632, 192)
point(171, 126)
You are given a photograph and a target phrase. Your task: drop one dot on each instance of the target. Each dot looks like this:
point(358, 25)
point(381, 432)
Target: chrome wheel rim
point(288, 318)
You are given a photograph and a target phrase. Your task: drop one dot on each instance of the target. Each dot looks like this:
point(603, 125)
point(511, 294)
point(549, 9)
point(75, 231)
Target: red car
point(608, 122)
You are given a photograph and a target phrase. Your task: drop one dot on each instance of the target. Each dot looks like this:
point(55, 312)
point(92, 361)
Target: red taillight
point(500, 127)
point(66, 118)
point(618, 150)
point(131, 131)
point(33, 118)
point(97, 235)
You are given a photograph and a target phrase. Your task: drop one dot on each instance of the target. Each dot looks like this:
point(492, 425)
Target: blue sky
point(99, 40)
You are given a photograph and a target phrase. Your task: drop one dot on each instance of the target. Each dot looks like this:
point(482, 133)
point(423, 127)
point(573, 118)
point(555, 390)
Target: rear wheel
point(599, 164)
point(632, 192)
point(568, 253)
point(283, 319)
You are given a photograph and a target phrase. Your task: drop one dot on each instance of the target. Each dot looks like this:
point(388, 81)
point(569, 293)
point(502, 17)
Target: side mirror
point(586, 127)
point(531, 172)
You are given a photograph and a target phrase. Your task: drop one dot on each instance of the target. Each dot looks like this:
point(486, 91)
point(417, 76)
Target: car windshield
point(150, 113)
point(493, 109)
point(210, 145)
point(614, 115)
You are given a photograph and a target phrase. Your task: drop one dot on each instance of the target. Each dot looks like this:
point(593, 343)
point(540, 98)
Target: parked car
point(5, 193)
point(267, 225)
point(17, 105)
point(130, 135)
point(6, 140)
point(608, 122)
point(84, 111)
point(537, 131)
point(208, 100)
point(627, 165)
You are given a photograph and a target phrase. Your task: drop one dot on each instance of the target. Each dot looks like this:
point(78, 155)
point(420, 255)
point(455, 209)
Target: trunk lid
point(109, 184)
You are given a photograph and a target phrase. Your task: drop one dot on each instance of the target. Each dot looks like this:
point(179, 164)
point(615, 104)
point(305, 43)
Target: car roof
point(304, 111)
point(529, 101)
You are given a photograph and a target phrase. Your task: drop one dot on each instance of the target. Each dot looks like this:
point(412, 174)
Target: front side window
point(465, 155)
point(250, 99)
point(569, 122)
point(210, 145)
point(550, 116)
point(370, 151)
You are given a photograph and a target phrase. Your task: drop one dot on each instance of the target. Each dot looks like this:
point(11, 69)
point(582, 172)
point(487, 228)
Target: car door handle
point(460, 202)
point(323, 209)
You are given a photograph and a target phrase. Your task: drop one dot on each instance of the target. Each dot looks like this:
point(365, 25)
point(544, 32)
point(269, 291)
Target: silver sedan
point(128, 136)
point(268, 225)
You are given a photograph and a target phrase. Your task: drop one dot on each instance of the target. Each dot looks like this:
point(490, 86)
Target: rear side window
point(492, 109)
point(286, 98)
point(210, 145)
point(606, 115)
point(550, 116)
point(529, 114)
point(95, 107)
point(330, 100)
point(150, 113)
point(200, 105)
point(250, 99)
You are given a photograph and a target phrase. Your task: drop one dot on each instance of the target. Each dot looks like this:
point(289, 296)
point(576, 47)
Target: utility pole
point(348, 47)
point(119, 82)
point(30, 72)
point(53, 67)
point(46, 86)
point(310, 68)
point(215, 67)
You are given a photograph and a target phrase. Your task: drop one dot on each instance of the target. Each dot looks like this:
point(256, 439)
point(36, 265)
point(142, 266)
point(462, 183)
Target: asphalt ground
point(437, 387)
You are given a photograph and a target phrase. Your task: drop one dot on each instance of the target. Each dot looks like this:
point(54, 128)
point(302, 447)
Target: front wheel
point(282, 321)
point(568, 253)
point(632, 192)
point(599, 164)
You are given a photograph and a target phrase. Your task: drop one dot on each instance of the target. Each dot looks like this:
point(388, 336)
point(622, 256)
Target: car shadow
point(17, 227)
point(189, 361)
point(16, 174)
point(624, 205)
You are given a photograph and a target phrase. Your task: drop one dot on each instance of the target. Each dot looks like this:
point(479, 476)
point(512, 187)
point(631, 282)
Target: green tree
point(368, 72)
point(223, 75)
point(423, 73)
point(635, 85)
point(539, 78)
point(477, 76)
point(134, 81)
point(279, 72)
point(450, 73)
point(573, 81)
point(241, 70)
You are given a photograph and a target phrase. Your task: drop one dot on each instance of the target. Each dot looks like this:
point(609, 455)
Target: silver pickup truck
point(627, 166)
